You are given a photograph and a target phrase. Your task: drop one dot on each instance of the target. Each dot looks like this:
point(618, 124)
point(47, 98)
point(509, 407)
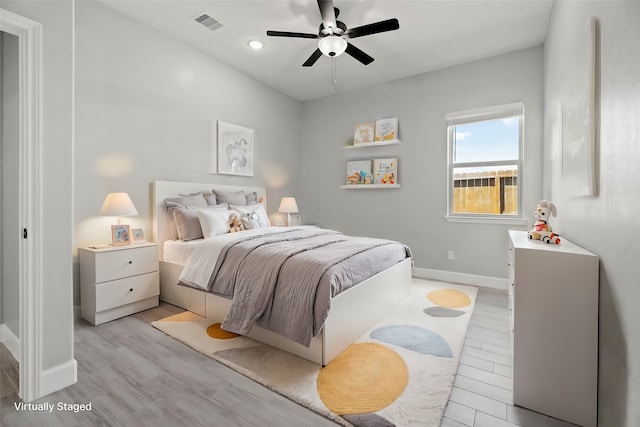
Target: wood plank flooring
point(135, 375)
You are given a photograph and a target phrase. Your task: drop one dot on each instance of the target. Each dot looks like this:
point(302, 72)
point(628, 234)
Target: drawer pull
point(130, 262)
point(130, 289)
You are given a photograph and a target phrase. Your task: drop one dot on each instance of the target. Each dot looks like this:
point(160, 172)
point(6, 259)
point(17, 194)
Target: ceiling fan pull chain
point(334, 77)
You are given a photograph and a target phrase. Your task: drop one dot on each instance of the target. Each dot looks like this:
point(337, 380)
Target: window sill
point(485, 220)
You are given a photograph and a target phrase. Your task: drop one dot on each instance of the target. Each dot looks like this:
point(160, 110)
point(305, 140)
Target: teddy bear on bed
point(541, 229)
point(235, 224)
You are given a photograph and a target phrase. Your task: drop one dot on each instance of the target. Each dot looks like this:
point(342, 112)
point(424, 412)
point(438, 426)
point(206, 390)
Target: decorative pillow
point(252, 198)
point(256, 212)
point(187, 201)
point(231, 197)
point(215, 222)
point(187, 223)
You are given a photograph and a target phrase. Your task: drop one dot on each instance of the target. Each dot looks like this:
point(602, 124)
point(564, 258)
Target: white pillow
point(214, 223)
point(255, 212)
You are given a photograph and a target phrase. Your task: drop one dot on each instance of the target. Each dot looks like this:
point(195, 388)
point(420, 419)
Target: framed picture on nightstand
point(120, 235)
point(138, 235)
point(295, 220)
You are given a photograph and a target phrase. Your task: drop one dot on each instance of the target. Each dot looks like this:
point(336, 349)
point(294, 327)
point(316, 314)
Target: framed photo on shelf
point(363, 132)
point(386, 129)
point(295, 220)
point(385, 171)
point(359, 172)
point(138, 235)
point(120, 235)
point(235, 149)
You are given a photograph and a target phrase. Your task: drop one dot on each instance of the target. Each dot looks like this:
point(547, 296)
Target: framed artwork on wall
point(235, 149)
point(579, 118)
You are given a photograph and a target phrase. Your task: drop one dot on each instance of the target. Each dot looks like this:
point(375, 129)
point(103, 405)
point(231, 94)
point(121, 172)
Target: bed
point(352, 312)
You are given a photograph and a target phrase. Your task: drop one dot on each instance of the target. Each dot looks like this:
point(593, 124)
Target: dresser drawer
point(125, 263)
point(126, 291)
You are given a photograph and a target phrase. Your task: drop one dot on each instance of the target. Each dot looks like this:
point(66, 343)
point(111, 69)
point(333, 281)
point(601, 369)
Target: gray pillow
point(188, 201)
point(252, 198)
point(187, 223)
point(231, 197)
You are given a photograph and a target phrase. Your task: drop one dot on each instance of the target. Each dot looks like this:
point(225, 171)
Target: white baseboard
point(59, 377)
point(464, 278)
point(11, 341)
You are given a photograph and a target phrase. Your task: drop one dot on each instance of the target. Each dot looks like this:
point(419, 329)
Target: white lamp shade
point(288, 205)
point(332, 45)
point(118, 204)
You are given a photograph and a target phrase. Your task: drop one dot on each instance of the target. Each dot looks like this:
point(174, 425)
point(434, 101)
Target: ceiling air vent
point(207, 21)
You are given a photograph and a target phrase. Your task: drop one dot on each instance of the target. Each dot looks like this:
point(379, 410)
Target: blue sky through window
point(488, 140)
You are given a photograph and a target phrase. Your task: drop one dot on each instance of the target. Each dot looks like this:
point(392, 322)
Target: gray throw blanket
point(274, 278)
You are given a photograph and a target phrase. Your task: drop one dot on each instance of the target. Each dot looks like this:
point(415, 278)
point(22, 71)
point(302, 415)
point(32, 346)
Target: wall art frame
point(235, 149)
point(580, 114)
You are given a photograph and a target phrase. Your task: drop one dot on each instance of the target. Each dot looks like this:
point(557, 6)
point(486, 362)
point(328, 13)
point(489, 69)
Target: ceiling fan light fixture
point(255, 44)
point(332, 45)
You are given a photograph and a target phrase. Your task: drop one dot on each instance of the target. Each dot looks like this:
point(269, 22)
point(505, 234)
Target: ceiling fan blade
point(358, 54)
point(289, 34)
point(313, 58)
point(376, 27)
point(328, 13)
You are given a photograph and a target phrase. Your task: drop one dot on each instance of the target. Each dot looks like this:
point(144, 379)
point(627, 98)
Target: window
point(485, 162)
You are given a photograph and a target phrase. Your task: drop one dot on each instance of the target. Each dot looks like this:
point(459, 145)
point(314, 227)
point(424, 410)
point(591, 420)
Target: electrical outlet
point(451, 255)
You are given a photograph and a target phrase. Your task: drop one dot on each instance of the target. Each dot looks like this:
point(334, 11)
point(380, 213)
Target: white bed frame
point(352, 312)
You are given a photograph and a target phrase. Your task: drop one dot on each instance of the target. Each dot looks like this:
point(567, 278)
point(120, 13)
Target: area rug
point(398, 373)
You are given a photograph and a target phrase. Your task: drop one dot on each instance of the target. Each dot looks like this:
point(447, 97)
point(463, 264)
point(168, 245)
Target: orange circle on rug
point(449, 298)
point(364, 378)
point(215, 331)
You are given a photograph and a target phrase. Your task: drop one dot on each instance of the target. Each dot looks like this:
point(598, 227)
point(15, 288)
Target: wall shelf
point(369, 186)
point(373, 144)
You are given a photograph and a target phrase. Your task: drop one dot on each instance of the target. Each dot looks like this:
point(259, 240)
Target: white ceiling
point(433, 34)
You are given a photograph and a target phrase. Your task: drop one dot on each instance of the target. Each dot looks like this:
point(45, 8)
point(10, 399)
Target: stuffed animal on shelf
point(541, 229)
point(235, 224)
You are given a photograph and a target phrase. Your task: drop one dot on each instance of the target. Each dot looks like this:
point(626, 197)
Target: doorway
point(28, 221)
point(9, 201)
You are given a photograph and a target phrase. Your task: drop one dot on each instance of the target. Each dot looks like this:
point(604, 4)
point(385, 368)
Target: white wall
point(56, 18)
point(606, 224)
point(144, 106)
point(415, 213)
point(9, 313)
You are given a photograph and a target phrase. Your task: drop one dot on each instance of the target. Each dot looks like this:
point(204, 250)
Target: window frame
point(515, 109)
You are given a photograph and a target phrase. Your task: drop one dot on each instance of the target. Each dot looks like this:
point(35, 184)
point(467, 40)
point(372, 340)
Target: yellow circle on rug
point(364, 378)
point(215, 331)
point(449, 298)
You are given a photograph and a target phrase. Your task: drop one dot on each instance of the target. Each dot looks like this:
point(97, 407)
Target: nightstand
point(118, 281)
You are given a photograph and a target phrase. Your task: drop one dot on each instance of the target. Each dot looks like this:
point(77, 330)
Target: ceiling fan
point(332, 35)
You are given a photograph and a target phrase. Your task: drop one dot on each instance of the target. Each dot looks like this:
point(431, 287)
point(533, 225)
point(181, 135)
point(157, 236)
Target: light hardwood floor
point(134, 375)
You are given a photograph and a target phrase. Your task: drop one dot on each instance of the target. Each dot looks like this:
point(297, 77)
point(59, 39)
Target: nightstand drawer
point(126, 291)
point(126, 263)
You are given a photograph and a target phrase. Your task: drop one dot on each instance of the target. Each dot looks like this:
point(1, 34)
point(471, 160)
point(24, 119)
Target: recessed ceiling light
point(255, 44)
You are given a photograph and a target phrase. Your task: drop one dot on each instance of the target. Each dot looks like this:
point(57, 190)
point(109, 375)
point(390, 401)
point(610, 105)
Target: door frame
point(30, 215)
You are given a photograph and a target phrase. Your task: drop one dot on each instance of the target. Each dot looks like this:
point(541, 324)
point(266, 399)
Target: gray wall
point(606, 224)
point(9, 308)
point(144, 108)
point(415, 213)
point(56, 18)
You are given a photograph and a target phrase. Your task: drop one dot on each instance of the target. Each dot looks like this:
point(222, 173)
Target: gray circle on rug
point(443, 312)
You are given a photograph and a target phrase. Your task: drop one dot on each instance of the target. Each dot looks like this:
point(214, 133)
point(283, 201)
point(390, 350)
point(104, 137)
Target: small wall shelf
point(369, 186)
point(373, 144)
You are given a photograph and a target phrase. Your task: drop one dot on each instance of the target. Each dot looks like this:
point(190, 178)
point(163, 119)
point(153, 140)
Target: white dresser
point(553, 295)
point(118, 281)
